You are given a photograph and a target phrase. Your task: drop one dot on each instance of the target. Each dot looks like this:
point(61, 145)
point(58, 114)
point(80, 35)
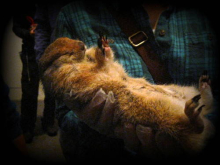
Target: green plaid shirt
point(187, 45)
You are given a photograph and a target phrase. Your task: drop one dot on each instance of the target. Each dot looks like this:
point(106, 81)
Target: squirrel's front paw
point(103, 52)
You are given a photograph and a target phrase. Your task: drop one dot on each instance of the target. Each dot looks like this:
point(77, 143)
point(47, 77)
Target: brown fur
point(68, 68)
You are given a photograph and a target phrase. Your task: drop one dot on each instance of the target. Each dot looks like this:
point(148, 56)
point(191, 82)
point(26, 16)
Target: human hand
point(138, 138)
point(98, 113)
point(32, 29)
point(144, 140)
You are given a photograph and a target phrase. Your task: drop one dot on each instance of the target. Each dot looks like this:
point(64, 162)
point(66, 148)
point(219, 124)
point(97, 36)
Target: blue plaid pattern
point(192, 46)
point(188, 47)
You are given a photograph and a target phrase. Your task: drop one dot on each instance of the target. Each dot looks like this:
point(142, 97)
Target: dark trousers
point(49, 110)
point(30, 85)
point(80, 143)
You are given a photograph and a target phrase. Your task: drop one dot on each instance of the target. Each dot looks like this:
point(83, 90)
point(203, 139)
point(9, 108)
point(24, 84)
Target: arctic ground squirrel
point(74, 73)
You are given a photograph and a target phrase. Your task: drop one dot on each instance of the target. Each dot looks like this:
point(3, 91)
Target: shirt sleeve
point(62, 27)
point(42, 32)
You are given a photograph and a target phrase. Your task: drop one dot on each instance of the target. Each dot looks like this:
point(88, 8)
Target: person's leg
point(48, 120)
point(79, 142)
point(29, 85)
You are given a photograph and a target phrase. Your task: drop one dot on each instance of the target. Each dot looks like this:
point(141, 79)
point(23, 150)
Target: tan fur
point(67, 69)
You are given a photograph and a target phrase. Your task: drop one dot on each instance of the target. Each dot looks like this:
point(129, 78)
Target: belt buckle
point(141, 42)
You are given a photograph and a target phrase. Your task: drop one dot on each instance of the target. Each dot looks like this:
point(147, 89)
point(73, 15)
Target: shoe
point(28, 136)
point(51, 130)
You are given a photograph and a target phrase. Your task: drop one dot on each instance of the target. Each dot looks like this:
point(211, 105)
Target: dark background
point(209, 7)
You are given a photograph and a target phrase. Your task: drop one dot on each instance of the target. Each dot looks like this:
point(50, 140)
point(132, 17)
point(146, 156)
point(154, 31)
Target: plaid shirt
point(183, 38)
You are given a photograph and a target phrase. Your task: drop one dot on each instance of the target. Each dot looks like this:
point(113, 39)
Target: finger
point(106, 118)
point(98, 99)
point(130, 138)
point(147, 139)
point(90, 114)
